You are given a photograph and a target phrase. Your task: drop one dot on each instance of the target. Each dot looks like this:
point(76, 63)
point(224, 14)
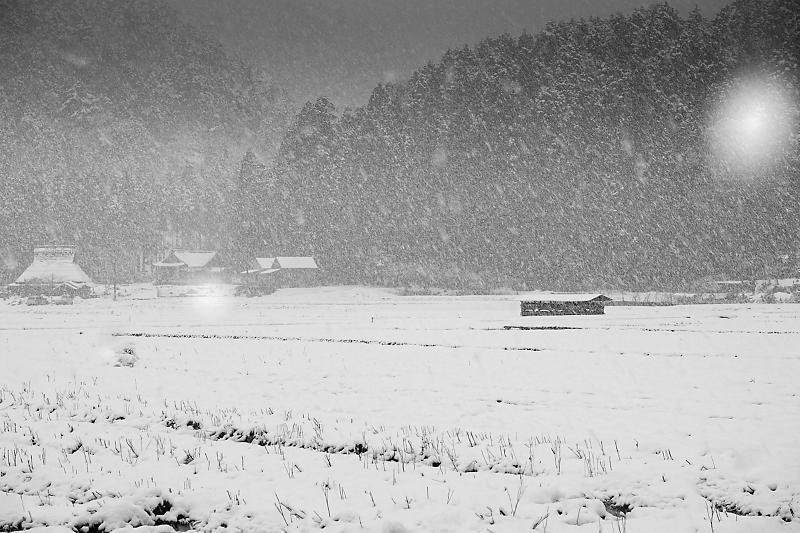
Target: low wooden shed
point(564, 304)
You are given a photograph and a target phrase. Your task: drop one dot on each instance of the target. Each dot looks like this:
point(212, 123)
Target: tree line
point(582, 156)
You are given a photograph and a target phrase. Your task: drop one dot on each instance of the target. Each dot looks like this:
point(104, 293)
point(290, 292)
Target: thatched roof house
point(53, 272)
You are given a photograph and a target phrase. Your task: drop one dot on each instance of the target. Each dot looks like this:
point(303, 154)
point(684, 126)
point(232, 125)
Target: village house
point(188, 267)
point(53, 272)
point(270, 273)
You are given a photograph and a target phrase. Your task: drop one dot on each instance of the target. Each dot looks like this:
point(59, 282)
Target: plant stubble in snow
point(648, 419)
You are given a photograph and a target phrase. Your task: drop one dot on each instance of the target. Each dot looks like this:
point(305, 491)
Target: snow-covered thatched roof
point(54, 264)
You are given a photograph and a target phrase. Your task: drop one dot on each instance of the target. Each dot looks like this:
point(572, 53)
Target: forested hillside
point(121, 127)
point(587, 155)
point(618, 152)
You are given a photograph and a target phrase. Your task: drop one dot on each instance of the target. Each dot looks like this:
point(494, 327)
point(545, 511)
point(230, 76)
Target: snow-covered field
point(350, 409)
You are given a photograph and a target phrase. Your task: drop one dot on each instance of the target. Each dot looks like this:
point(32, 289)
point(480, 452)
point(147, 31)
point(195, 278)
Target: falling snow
point(262, 265)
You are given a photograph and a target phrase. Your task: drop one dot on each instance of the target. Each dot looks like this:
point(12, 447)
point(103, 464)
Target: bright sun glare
point(211, 303)
point(752, 125)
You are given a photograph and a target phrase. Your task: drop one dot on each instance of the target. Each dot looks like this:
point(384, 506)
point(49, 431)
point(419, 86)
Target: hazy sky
point(342, 48)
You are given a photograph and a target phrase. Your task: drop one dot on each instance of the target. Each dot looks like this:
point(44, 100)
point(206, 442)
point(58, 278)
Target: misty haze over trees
point(122, 128)
point(581, 156)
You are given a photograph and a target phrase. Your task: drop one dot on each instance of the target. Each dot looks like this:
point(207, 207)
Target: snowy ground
point(358, 410)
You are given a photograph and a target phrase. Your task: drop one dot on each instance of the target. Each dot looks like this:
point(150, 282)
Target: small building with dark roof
point(564, 304)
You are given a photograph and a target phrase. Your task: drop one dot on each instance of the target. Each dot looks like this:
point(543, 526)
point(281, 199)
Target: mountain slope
point(580, 156)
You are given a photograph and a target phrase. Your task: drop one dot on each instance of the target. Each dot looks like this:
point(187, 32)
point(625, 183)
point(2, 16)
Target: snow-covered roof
point(195, 258)
point(190, 258)
point(61, 253)
point(54, 264)
point(295, 262)
point(265, 262)
point(566, 297)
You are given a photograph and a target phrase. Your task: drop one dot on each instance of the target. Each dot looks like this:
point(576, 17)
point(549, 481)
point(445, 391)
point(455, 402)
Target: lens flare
point(209, 302)
point(753, 125)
